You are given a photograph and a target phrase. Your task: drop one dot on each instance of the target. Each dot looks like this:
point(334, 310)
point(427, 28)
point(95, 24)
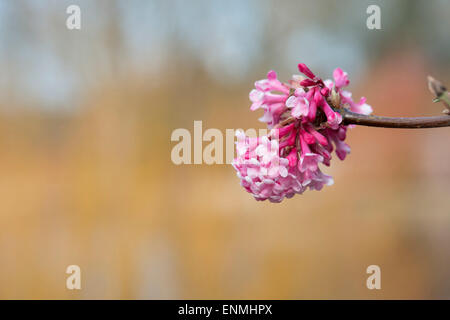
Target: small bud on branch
point(440, 92)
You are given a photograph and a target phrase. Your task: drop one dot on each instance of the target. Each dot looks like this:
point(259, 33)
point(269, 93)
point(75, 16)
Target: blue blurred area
point(46, 65)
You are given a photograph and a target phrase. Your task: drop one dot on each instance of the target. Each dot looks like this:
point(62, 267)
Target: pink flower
point(313, 79)
point(266, 175)
point(265, 99)
point(271, 84)
point(334, 118)
point(308, 161)
point(292, 157)
point(305, 70)
point(288, 160)
point(319, 180)
point(340, 78)
point(338, 137)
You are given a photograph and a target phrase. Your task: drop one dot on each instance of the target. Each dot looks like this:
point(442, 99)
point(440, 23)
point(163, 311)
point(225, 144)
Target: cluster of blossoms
point(305, 128)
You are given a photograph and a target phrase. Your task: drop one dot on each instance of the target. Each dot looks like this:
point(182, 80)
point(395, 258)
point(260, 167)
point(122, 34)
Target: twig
point(392, 122)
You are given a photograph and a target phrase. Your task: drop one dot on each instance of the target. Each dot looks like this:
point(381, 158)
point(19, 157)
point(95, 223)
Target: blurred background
point(86, 176)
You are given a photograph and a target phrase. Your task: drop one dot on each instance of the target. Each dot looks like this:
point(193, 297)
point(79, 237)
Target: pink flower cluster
point(306, 127)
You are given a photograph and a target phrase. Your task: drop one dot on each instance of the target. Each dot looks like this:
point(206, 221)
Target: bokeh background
point(86, 176)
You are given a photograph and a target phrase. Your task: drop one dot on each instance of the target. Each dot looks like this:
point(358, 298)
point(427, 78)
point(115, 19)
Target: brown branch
point(391, 122)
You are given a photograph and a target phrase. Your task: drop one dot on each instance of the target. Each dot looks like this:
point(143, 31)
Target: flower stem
point(394, 122)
